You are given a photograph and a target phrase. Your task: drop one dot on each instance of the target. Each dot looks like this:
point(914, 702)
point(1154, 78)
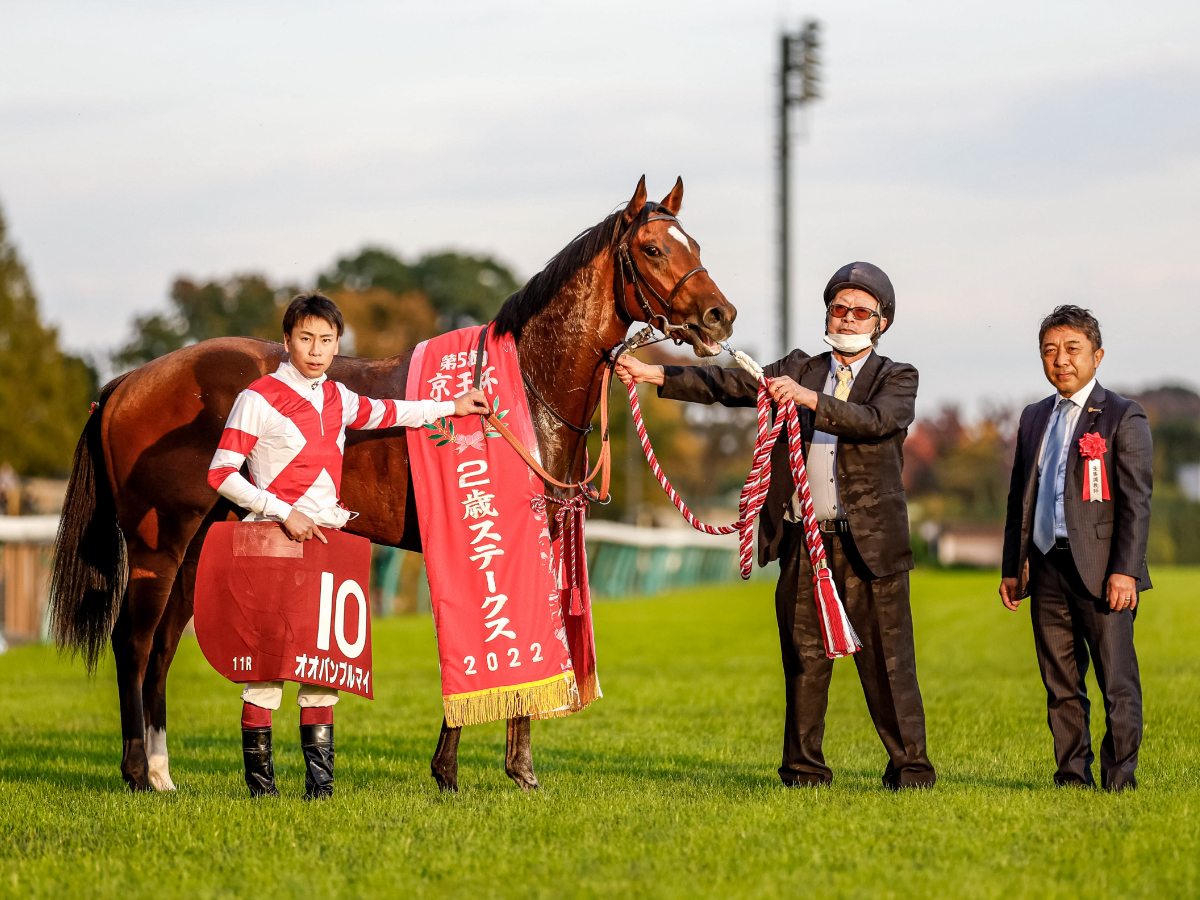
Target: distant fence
point(26, 555)
point(625, 560)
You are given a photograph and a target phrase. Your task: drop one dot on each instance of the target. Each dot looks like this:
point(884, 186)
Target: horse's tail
point(90, 564)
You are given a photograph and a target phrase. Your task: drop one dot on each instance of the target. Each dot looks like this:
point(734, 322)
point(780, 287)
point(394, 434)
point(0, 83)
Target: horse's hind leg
point(178, 613)
point(518, 754)
point(151, 576)
point(154, 687)
point(444, 765)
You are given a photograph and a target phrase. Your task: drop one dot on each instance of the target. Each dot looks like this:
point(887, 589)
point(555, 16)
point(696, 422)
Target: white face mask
point(849, 344)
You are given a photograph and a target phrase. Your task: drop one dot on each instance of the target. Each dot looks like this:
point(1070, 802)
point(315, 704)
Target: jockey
point(289, 428)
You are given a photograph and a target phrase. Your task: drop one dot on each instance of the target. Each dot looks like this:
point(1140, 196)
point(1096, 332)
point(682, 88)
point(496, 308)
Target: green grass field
point(665, 788)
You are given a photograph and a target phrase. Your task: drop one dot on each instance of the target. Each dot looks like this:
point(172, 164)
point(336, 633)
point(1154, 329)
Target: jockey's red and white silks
point(292, 432)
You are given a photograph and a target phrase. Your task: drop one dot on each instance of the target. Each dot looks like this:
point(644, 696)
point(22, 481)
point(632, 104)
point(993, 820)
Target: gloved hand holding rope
point(839, 636)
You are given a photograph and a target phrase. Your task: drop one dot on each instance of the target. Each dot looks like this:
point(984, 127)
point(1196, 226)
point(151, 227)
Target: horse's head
point(659, 276)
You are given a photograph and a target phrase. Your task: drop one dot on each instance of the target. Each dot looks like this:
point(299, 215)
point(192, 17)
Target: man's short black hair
point(314, 305)
point(1070, 316)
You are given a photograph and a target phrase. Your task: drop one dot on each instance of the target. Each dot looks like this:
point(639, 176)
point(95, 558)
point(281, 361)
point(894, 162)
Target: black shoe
point(317, 743)
point(260, 771)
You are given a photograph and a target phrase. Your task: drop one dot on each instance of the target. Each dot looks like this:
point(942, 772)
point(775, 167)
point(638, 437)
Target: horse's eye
point(650, 250)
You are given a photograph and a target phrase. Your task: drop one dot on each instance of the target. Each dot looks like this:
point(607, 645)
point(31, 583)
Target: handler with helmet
point(855, 409)
point(295, 462)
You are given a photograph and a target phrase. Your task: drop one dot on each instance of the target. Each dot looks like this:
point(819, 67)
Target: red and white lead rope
point(839, 636)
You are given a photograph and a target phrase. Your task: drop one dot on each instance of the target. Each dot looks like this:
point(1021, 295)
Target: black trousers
point(1068, 623)
point(879, 612)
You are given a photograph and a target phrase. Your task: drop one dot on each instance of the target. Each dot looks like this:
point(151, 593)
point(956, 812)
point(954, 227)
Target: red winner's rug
point(270, 609)
point(508, 643)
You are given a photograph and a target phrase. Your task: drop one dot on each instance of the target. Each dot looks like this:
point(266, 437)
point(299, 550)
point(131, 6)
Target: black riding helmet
point(869, 278)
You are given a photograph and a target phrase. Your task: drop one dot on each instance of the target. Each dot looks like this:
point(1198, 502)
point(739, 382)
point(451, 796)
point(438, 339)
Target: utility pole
point(799, 85)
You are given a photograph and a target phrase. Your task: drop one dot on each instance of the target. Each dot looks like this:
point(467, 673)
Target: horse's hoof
point(139, 787)
point(526, 781)
point(448, 783)
point(134, 765)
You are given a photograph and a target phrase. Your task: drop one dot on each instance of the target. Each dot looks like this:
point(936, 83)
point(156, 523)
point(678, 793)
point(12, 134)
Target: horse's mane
point(543, 287)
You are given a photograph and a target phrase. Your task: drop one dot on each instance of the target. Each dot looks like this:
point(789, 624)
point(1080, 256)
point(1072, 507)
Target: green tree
point(463, 289)
point(45, 394)
point(245, 305)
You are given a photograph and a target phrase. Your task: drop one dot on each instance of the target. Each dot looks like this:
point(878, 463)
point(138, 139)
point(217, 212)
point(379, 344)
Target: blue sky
point(995, 159)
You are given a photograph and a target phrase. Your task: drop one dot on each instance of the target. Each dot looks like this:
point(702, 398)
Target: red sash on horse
point(509, 644)
point(270, 609)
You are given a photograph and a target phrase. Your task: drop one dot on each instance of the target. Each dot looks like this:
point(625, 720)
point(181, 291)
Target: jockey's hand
point(633, 370)
point(300, 527)
point(471, 403)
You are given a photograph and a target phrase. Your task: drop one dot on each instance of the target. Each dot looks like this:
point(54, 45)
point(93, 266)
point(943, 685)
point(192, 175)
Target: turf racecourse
point(665, 788)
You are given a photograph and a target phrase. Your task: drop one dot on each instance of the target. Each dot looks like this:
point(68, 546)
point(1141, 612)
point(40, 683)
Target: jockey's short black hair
point(1071, 316)
point(313, 305)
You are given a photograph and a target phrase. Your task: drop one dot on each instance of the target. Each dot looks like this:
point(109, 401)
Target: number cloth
point(511, 641)
point(273, 609)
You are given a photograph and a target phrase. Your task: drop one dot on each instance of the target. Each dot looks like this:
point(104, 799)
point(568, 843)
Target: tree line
point(954, 470)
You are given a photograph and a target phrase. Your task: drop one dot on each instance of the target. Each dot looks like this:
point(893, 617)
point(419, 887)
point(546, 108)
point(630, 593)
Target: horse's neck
point(563, 350)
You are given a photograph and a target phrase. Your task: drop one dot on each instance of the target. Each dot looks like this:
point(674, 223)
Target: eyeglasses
point(840, 310)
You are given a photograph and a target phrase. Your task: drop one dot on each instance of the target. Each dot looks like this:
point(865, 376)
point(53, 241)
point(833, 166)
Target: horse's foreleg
point(151, 578)
point(518, 755)
point(444, 765)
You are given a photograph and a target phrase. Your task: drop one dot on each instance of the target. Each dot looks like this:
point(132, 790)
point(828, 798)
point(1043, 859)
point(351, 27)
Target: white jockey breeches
point(269, 694)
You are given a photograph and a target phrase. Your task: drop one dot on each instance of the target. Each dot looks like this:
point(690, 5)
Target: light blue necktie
point(1043, 515)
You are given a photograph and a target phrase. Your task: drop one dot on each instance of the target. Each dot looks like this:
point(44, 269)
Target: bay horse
point(138, 503)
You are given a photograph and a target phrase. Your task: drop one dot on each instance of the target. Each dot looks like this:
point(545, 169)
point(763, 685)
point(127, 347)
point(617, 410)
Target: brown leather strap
point(603, 466)
point(479, 355)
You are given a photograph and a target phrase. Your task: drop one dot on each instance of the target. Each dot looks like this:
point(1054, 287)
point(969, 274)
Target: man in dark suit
point(1075, 540)
point(855, 408)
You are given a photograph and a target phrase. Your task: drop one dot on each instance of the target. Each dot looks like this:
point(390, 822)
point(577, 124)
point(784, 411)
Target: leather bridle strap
point(603, 467)
point(632, 275)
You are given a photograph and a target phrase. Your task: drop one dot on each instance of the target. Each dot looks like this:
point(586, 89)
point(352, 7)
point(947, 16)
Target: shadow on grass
point(73, 760)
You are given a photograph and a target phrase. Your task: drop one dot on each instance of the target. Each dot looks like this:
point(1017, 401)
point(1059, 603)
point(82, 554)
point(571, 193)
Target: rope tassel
point(836, 631)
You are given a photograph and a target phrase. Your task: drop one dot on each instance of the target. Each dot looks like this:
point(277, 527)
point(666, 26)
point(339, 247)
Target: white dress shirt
point(821, 460)
point(1072, 411)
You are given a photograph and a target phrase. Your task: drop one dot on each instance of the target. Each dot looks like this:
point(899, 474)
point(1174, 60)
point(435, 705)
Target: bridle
point(627, 274)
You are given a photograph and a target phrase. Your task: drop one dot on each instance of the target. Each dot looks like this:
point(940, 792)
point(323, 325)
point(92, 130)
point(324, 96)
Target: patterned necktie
point(1043, 515)
point(842, 391)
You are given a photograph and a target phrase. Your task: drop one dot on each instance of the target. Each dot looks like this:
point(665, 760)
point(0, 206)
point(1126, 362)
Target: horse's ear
point(674, 200)
point(636, 204)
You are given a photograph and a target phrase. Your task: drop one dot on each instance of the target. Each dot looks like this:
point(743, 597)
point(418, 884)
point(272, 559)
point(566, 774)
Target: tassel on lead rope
point(839, 637)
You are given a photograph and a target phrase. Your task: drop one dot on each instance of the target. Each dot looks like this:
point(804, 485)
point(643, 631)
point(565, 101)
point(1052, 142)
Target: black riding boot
point(317, 743)
point(260, 771)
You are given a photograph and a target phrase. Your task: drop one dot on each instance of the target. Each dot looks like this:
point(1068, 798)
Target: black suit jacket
point(1108, 536)
point(870, 426)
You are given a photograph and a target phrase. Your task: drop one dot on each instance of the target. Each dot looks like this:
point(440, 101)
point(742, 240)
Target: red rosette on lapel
point(1092, 447)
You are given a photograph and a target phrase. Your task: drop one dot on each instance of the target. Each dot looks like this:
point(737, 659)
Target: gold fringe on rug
point(557, 695)
point(588, 692)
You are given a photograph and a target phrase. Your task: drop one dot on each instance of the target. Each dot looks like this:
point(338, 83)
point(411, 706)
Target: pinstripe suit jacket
point(1106, 537)
point(870, 425)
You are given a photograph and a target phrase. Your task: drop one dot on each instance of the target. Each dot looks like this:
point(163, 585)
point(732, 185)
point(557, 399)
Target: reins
point(603, 466)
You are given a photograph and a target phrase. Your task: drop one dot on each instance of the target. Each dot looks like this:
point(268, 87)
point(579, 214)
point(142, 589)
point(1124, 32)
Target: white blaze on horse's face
point(676, 233)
